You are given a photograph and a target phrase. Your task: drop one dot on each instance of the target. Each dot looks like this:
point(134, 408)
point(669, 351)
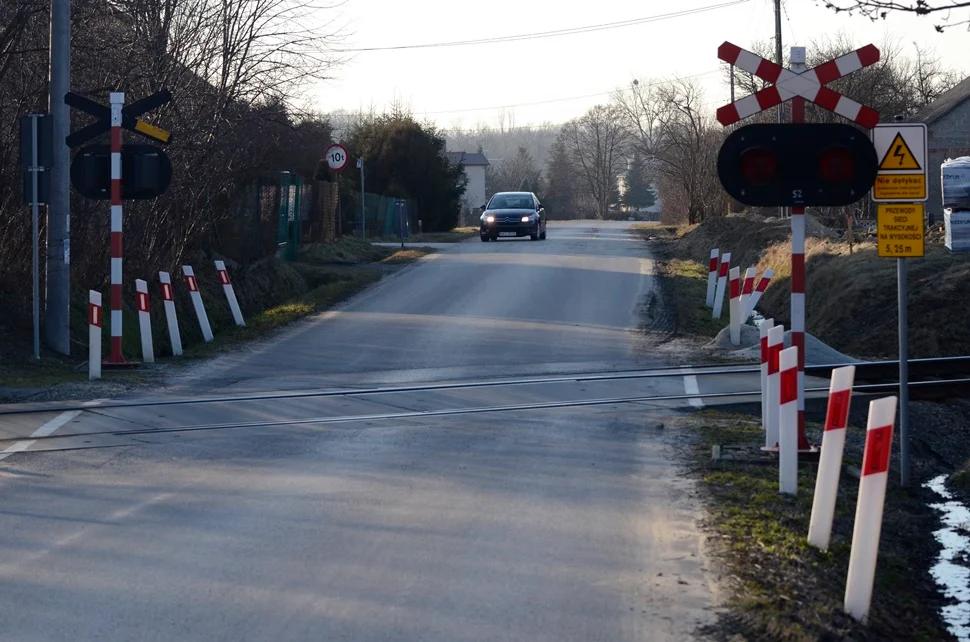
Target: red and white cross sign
point(809, 85)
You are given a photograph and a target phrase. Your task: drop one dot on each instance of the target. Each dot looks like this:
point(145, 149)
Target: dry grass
point(454, 236)
point(409, 255)
point(347, 250)
point(851, 300)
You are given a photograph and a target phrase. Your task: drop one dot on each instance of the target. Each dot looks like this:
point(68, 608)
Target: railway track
point(934, 377)
point(69, 441)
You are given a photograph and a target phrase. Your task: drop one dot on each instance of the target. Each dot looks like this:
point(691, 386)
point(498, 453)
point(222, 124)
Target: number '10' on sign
point(336, 156)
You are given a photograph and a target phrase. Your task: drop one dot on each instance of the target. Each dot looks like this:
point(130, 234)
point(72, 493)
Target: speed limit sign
point(336, 156)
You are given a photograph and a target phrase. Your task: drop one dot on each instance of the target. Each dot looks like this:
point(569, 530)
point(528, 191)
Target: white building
point(474, 165)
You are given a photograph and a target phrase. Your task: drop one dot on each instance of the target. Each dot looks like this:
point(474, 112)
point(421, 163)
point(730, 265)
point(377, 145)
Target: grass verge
point(327, 274)
point(780, 587)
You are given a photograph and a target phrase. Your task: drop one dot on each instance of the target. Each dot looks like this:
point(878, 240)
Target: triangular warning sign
point(899, 156)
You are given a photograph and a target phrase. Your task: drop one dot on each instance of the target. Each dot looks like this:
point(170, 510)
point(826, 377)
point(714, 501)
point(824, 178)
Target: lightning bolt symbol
point(899, 153)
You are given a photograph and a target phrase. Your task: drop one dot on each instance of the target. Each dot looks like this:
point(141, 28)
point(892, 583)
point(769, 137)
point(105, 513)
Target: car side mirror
point(538, 207)
point(484, 207)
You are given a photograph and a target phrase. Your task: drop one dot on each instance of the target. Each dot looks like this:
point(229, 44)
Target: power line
point(551, 34)
point(562, 100)
point(784, 6)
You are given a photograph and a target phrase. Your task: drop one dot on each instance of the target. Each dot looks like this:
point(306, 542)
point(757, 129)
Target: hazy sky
point(465, 85)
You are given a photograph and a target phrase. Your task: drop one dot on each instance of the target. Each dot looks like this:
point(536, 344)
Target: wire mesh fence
point(383, 216)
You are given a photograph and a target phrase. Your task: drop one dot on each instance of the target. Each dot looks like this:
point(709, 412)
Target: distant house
point(474, 165)
point(948, 129)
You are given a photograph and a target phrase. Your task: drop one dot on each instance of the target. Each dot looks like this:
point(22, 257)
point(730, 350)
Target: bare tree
point(597, 143)
point(680, 140)
point(876, 9)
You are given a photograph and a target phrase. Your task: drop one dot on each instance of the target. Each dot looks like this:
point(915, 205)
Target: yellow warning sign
point(900, 187)
point(899, 156)
point(900, 227)
point(150, 130)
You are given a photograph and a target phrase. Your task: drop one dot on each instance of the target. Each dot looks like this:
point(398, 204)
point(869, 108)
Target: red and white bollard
point(722, 276)
point(144, 321)
point(734, 305)
point(776, 342)
point(746, 291)
point(766, 325)
point(788, 422)
point(168, 302)
point(869, 507)
point(712, 277)
point(197, 302)
point(95, 320)
point(758, 291)
point(230, 295)
point(830, 459)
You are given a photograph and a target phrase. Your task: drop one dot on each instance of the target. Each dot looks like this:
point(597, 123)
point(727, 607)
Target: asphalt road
point(555, 524)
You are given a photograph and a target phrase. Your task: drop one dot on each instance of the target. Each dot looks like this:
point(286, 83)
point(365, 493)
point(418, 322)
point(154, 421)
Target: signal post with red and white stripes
point(117, 101)
point(798, 85)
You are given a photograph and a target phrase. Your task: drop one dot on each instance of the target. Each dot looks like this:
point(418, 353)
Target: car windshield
point(511, 202)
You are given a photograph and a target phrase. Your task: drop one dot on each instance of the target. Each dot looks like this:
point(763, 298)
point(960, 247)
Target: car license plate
point(506, 233)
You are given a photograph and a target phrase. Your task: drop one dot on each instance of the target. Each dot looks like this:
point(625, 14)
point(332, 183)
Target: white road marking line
point(45, 430)
point(691, 387)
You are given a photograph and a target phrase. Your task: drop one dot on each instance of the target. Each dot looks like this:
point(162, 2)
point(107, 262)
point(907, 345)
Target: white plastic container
point(955, 173)
point(957, 225)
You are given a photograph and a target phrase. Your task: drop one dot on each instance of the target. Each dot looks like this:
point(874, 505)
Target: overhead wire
point(561, 100)
point(551, 34)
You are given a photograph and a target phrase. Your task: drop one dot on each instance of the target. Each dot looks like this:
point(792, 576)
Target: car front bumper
point(508, 229)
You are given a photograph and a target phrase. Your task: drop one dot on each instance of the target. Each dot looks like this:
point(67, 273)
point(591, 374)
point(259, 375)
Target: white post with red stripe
point(95, 318)
point(788, 422)
point(830, 460)
point(230, 295)
point(759, 290)
point(168, 301)
point(734, 305)
point(776, 342)
point(722, 276)
point(747, 289)
point(197, 302)
point(144, 321)
point(117, 101)
point(766, 325)
point(869, 508)
point(712, 277)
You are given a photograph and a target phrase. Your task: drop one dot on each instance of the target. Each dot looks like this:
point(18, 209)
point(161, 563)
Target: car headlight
point(527, 219)
point(489, 219)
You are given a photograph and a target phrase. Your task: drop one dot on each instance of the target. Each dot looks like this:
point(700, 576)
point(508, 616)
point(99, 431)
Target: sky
point(554, 79)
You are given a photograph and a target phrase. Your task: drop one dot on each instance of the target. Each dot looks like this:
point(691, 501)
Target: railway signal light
point(797, 164)
point(146, 172)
